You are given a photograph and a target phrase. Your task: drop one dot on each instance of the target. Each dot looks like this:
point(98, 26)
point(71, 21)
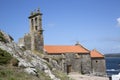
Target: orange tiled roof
point(95, 54)
point(65, 49)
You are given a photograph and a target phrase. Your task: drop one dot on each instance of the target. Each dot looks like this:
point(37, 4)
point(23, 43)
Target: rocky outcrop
point(29, 61)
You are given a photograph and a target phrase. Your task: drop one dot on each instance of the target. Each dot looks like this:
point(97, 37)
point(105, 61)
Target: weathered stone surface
point(76, 62)
point(32, 71)
point(27, 41)
point(98, 66)
point(86, 63)
point(27, 59)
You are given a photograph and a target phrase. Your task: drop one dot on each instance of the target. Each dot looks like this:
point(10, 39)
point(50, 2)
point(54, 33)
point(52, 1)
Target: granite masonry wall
point(98, 66)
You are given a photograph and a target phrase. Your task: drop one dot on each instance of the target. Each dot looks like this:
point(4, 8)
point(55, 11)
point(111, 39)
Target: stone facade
point(77, 63)
point(98, 66)
point(77, 59)
point(86, 63)
point(73, 61)
point(34, 39)
point(98, 63)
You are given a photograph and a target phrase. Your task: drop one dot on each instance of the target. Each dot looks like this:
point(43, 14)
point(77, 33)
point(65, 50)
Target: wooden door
point(69, 67)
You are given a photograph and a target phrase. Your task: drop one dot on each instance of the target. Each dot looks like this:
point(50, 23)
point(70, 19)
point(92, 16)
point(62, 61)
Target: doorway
point(69, 68)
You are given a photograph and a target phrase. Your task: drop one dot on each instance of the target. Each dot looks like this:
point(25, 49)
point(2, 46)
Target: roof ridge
point(95, 54)
point(65, 49)
point(59, 45)
point(83, 47)
point(98, 51)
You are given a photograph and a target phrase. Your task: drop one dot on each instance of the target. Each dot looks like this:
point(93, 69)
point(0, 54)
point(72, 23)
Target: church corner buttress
point(34, 39)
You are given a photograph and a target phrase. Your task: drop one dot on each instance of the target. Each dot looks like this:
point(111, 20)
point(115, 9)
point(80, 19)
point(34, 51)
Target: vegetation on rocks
point(15, 73)
point(5, 57)
point(61, 75)
point(2, 39)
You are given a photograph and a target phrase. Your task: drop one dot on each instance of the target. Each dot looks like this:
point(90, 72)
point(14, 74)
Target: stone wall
point(98, 66)
point(77, 65)
point(85, 63)
point(21, 42)
point(72, 61)
point(38, 44)
point(32, 41)
point(27, 42)
point(76, 62)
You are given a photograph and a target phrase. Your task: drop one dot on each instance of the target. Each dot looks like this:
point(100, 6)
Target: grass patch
point(15, 73)
point(43, 76)
point(38, 53)
point(60, 75)
point(7, 73)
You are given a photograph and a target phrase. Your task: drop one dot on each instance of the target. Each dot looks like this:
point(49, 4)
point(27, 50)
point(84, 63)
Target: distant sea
point(112, 65)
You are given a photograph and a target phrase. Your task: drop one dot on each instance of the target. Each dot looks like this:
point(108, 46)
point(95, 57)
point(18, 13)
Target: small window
point(96, 61)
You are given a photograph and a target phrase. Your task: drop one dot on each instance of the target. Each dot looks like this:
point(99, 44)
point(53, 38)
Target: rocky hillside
point(19, 61)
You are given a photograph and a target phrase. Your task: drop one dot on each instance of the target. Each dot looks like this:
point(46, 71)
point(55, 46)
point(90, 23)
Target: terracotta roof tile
point(65, 49)
point(95, 54)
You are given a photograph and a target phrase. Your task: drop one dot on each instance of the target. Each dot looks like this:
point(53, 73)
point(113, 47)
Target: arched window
point(36, 20)
point(32, 22)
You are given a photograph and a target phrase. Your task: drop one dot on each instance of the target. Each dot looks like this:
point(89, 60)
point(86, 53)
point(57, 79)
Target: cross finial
point(38, 10)
point(77, 43)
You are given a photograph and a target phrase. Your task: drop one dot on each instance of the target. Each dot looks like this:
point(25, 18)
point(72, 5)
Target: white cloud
point(118, 21)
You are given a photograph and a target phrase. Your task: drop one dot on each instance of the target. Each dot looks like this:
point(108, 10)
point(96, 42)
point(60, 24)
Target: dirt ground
point(77, 76)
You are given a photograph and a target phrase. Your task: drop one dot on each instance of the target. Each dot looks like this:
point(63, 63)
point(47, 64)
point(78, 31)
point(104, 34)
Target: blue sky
point(94, 23)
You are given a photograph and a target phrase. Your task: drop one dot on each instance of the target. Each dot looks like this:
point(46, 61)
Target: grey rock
point(27, 59)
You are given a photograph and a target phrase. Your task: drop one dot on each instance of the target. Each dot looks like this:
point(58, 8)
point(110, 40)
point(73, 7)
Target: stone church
point(71, 58)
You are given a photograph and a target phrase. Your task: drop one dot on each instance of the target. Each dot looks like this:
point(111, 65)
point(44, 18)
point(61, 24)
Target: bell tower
point(35, 21)
point(36, 30)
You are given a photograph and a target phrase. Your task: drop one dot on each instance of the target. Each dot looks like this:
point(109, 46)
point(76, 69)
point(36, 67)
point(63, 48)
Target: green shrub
point(5, 57)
